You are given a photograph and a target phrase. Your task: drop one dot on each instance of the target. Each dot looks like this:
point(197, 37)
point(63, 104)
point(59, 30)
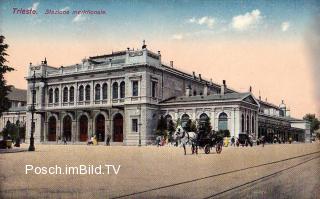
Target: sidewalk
point(13, 150)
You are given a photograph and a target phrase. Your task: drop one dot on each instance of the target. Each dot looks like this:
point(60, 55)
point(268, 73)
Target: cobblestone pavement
point(273, 171)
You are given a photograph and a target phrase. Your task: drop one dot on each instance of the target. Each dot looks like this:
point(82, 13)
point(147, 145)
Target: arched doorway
point(83, 128)
point(67, 128)
point(118, 128)
point(100, 127)
point(52, 129)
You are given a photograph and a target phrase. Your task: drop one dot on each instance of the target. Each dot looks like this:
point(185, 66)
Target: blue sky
point(176, 20)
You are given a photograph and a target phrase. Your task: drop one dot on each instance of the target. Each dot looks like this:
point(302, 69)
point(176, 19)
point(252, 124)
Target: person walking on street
point(64, 140)
point(233, 141)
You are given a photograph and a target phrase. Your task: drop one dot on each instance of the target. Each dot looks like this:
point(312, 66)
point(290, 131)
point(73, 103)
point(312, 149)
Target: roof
point(17, 94)
point(268, 104)
point(118, 53)
point(18, 109)
point(294, 119)
point(217, 97)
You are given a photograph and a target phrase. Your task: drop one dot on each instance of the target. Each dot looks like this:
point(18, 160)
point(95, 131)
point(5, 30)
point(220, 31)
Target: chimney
point(144, 44)
point(250, 89)
point(45, 61)
point(223, 87)
point(259, 96)
point(200, 77)
point(194, 75)
point(205, 90)
point(188, 90)
point(171, 64)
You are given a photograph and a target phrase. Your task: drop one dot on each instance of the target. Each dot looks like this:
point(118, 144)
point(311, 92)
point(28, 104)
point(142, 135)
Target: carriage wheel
point(219, 148)
point(207, 149)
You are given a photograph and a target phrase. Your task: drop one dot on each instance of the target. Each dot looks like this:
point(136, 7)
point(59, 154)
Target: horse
point(185, 138)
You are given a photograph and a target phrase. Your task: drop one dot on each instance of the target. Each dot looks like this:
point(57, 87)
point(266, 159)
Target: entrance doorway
point(100, 127)
point(52, 129)
point(83, 124)
point(67, 128)
point(118, 128)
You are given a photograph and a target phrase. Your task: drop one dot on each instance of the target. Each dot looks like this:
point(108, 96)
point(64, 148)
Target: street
point(273, 171)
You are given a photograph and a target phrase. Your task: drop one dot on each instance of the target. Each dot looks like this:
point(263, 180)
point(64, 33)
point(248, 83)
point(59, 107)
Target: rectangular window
point(154, 89)
point(135, 88)
point(134, 125)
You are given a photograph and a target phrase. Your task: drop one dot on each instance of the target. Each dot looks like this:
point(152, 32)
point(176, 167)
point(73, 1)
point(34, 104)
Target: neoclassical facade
point(122, 95)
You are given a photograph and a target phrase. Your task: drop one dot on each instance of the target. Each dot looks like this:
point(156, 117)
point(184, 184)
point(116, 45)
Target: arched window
point(168, 118)
point(88, 93)
point(184, 120)
point(65, 94)
point(50, 95)
point(71, 95)
point(248, 123)
point(56, 95)
point(203, 117)
point(122, 90)
point(105, 91)
point(115, 90)
point(97, 92)
point(242, 123)
point(81, 92)
point(223, 121)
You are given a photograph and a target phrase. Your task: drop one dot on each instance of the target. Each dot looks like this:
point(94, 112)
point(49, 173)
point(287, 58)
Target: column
point(109, 91)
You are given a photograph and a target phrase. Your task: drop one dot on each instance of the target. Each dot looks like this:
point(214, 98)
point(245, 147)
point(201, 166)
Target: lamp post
point(33, 90)
point(139, 124)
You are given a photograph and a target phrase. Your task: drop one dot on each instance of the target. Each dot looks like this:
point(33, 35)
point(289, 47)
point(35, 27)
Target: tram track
point(230, 172)
point(260, 179)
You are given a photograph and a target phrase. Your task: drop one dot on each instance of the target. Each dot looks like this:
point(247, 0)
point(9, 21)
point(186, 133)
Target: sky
point(269, 45)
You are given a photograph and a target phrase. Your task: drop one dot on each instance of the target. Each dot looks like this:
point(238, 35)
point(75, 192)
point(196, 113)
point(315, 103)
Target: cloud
point(206, 20)
point(177, 36)
point(65, 8)
point(79, 18)
point(285, 26)
point(35, 6)
point(244, 22)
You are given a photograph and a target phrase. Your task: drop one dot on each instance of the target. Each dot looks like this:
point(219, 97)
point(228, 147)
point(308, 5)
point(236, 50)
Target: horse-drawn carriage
point(207, 140)
point(203, 138)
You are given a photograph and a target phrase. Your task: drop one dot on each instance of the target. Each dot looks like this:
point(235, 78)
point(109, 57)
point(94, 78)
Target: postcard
point(159, 99)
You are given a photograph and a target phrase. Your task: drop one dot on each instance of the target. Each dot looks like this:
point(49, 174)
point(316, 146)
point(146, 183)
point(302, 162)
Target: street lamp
point(139, 107)
point(33, 90)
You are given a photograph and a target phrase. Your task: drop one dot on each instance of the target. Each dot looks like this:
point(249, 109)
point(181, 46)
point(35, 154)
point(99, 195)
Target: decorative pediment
point(250, 99)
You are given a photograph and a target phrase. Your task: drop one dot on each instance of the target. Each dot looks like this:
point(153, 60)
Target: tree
point(162, 126)
point(188, 125)
point(207, 125)
point(10, 131)
point(314, 122)
point(171, 128)
point(4, 88)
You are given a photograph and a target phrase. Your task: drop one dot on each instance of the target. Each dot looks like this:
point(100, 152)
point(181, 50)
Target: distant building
point(17, 110)
point(123, 94)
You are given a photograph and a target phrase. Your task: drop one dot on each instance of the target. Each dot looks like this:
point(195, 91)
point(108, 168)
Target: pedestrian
point(233, 141)
point(108, 140)
point(64, 140)
point(158, 140)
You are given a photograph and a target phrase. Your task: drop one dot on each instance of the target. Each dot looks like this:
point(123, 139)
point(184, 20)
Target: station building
point(121, 95)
